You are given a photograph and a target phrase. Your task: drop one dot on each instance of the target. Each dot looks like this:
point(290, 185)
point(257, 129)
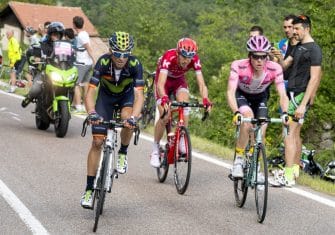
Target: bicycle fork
point(111, 142)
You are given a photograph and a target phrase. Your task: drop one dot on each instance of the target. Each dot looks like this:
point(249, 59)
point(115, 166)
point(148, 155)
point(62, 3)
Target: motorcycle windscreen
point(63, 51)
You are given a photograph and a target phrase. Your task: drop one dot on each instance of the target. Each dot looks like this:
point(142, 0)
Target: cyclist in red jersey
point(170, 80)
point(248, 91)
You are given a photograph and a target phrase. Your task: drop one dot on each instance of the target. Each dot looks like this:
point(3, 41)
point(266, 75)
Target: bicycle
point(255, 168)
point(149, 106)
point(171, 153)
point(106, 171)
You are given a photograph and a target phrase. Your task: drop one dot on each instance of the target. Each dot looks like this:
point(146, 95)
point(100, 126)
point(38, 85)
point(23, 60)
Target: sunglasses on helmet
point(119, 54)
point(187, 54)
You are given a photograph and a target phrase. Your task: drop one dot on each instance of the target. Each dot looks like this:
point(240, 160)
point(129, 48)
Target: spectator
point(69, 35)
point(303, 82)
point(255, 31)
point(84, 57)
point(14, 57)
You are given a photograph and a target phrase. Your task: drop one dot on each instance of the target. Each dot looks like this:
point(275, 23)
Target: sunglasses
point(119, 54)
point(187, 54)
point(302, 17)
point(257, 57)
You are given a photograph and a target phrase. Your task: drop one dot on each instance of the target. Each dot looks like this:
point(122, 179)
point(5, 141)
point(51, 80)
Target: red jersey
point(168, 64)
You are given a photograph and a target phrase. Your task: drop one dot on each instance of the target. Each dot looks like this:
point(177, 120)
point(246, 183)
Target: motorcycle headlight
point(71, 77)
point(56, 77)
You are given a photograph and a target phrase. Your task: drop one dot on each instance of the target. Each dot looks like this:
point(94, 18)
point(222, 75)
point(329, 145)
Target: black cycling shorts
point(106, 104)
point(257, 102)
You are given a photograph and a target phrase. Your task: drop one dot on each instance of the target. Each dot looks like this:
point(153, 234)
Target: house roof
point(34, 14)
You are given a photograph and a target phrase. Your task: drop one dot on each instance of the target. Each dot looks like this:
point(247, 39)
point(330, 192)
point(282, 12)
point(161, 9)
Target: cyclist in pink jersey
point(170, 80)
point(248, 91)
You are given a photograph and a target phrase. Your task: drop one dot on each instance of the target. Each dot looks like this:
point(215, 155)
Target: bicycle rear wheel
point(163, 170)
point(261, 183)
point(183, 161)
point(241, 186)
point(101, 187)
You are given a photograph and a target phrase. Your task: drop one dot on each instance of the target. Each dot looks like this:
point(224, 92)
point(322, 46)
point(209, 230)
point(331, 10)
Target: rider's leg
point(126, 133)
point(182, 95)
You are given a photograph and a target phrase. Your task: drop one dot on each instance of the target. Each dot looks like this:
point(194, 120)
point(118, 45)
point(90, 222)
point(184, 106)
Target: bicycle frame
point(111, 143)
point(258, 133)
point(173, 140)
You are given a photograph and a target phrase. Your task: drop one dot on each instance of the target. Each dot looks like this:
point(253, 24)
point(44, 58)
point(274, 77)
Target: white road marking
point(32, 223)
point(218, 162)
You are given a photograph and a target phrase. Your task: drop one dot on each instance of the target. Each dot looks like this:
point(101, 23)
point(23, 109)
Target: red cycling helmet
point(187, 47)
point(258, 43)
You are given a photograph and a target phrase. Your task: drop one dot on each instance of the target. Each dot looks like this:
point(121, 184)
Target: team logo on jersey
point(166, 64)
point(104, 61)
point(197, 64)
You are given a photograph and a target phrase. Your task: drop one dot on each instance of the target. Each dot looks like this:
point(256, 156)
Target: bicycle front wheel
point(241, 186)
point(183, 161)
point(163, 170)
point(261, 183)
point(101, 187)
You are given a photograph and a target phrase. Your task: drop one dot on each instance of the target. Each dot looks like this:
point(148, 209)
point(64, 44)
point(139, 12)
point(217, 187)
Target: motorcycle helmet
point(56, 27)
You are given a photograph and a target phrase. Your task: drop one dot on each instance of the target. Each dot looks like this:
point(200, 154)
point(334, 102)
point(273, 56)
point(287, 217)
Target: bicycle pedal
point(230, 176)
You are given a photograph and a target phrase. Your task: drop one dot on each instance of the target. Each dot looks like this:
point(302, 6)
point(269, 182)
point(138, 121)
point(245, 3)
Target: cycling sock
point(288, 172)
point(239, 151)
point(90, 182)
point(123, 149)
point(155, 146)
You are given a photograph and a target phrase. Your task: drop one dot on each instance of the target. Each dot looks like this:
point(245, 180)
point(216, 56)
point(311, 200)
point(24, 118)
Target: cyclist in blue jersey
point(119, 77)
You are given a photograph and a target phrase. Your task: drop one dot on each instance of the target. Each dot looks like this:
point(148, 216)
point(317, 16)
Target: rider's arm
point(202, 86)
point(280, 86)
point(138, 103)
point(161, 84)
point(90, 99)
point(231, 90)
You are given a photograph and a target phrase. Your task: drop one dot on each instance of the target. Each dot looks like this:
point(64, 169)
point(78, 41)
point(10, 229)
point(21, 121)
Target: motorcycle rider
point(55, 32)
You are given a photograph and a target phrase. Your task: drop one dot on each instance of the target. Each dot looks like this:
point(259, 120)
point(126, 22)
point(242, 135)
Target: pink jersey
point(242, 76)
point(168, 64)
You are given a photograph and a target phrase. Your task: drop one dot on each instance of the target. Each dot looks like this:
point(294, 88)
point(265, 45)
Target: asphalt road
point(42, 179)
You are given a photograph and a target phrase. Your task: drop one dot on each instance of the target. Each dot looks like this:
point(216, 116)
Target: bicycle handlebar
point(111, 124)
point(261, 121)
point(187, 104)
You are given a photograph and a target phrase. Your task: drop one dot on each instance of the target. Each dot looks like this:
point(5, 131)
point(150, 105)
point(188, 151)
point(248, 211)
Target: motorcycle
point(58, 76)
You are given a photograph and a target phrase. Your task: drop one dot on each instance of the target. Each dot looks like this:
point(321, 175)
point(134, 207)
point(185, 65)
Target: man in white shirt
point(84, 57)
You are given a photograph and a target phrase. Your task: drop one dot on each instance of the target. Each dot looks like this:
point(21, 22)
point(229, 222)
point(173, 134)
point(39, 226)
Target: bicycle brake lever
point(137, 135)
point(205, 116)
point(84, 129)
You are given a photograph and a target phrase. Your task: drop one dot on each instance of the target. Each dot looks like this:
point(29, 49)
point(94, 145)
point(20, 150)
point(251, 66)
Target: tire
point(183, 162)
point(62, 119)
point(42, 120)
point(101, 190)
point(163, 170)
point(241, 186)
point(261, 186)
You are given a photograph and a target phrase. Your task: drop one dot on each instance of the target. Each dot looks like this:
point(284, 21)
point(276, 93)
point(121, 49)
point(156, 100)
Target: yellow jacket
point(14, 51)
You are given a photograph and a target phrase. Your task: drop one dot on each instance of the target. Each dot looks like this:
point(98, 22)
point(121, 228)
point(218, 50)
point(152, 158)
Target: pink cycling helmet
point(258, 43)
